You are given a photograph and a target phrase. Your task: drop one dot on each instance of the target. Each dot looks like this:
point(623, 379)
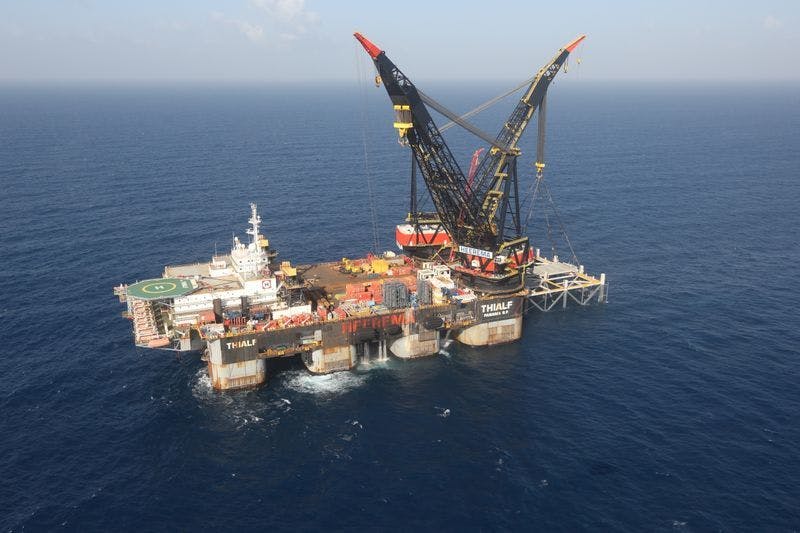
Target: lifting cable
point(361, 74)
point(547, 200)
point(561, 227)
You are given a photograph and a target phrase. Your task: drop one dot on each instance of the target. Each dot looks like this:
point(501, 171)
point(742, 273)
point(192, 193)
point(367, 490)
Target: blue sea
point(673, 407)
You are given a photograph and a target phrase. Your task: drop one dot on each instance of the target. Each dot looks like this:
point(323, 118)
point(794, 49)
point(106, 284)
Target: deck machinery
point(468, 271)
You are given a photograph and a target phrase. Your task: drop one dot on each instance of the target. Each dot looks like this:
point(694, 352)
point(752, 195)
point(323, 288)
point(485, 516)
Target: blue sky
point(291, 40)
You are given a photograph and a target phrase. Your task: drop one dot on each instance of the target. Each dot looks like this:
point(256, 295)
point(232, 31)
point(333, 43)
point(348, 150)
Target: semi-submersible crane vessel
point(467, 270)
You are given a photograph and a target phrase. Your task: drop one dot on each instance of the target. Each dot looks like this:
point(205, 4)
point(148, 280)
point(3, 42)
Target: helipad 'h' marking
point(158, 288)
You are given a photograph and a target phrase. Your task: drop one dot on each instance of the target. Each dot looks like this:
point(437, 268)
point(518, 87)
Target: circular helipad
point(155, 289)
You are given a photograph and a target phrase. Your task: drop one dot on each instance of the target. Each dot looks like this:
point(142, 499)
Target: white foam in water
point(246, 418)
point(280, 405)
point(444, 347)
point(377, 362)
point(326, 384)
point(443, 412)
point(201, 388)
point(238, 407)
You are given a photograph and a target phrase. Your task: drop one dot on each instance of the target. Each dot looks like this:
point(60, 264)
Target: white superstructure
point(250, 260)
point(242, 276)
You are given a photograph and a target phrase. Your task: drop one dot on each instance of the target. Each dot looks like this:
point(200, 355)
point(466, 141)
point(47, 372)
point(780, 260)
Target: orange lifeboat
point(160, 342)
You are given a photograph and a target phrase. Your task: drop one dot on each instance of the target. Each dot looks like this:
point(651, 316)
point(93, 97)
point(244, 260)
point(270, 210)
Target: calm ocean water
point(674, 407)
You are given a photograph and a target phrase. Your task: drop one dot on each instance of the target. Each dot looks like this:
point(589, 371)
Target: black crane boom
point(493, 170)
point(459, 211)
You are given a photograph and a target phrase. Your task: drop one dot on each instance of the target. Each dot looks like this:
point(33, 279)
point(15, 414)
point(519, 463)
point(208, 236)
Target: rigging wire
point(488, 103)
point(553, 250)
point(423, 194)
point(361, 74)
point(533, 193)
point(562, 228)
point(546, 198)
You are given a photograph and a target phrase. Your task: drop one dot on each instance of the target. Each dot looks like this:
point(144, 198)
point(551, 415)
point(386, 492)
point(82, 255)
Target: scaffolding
point(552, 283)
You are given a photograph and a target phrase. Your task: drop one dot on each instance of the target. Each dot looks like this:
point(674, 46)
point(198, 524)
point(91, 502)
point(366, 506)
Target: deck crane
point(482, 218)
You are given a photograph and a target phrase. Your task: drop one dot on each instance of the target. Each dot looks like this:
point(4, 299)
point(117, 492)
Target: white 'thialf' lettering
point(500, 306)
point(496, 309)
point(240, 344)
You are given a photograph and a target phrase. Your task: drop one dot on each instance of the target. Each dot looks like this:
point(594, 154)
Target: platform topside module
point(467, 271)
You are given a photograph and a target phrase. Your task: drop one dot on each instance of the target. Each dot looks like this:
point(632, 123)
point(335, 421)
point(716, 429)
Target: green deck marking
point(154, 289)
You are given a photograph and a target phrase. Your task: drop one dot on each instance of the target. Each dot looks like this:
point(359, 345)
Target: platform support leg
point(237, 375)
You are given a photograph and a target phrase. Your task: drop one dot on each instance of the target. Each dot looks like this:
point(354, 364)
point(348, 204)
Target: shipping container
point(424, 292)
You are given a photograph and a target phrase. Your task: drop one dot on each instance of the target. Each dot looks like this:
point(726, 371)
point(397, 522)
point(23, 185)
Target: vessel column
point(235, 367)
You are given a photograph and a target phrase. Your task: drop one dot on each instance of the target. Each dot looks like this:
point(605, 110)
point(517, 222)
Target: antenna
point(255, 220)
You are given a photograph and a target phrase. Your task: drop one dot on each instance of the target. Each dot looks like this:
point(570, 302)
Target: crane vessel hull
point(242, 309)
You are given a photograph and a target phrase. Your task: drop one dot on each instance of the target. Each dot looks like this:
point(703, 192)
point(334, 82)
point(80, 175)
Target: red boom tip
point(371, 49)
point(571, 46)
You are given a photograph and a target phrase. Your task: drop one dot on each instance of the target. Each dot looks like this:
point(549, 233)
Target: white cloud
point(290, 15)
point(253, 32)
point(283, 9)
point(772, 23)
